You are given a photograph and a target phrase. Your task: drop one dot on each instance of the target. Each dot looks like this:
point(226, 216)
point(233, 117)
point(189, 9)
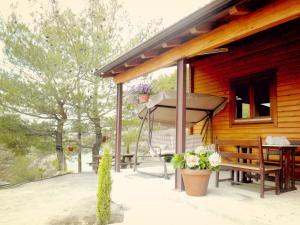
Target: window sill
point(253, 121)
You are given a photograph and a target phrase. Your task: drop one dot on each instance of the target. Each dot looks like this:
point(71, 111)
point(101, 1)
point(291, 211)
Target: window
point(253, 98)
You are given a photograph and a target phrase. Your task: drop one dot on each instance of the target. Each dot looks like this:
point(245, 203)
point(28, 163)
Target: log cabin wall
point(277, 48)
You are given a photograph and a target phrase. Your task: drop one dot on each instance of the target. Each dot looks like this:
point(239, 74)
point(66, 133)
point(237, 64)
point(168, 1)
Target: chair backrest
point(166, 140)
point(192, 142)
point(225, 147)
point(297, 153)
point(295, 142)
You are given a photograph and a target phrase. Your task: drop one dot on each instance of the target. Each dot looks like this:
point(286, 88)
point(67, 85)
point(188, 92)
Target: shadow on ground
point(117, 216)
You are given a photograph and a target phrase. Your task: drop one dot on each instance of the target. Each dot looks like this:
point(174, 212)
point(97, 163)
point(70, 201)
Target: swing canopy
point(162, 108)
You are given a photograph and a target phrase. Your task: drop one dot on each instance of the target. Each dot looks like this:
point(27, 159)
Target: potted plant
point(140, 93)
point(144, 91)
point(195, 168)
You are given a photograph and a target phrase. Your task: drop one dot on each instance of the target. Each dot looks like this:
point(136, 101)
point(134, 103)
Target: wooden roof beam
point(109, 74)
point(118, 70)
point(133, 62)
point(275, 13)
point(201, 29)
point(238, 10)
point(150, 54)
point(172, 43)
point(215, 50)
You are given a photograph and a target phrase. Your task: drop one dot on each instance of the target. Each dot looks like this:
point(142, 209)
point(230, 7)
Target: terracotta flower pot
point(70, 148)
point(143, 98)
point(195, 181)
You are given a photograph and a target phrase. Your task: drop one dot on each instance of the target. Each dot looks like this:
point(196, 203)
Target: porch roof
point(202, 32)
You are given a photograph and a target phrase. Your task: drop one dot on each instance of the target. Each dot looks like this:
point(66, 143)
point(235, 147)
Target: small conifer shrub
point(104, 188)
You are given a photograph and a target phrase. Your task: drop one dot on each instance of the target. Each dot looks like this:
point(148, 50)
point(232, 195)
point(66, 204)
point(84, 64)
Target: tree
point(39, 85)
point(52, 64)
point(164, 83)
point(102, 29)
point(50, 60)
point(19, 136)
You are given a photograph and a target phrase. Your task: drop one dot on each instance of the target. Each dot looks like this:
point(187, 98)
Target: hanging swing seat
point(163, 142)
point(161, 110)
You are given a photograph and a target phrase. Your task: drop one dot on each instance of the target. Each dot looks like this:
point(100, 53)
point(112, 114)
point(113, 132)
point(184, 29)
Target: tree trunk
point(79, 152)
point(59, 146)
point(79, 123)
point(97, 145)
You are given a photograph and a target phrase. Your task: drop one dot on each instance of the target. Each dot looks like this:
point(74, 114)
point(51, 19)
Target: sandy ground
point(146, 200)
point(63, 198)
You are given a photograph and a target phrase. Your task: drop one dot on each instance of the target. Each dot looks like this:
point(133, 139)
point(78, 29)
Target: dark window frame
point(251, 79)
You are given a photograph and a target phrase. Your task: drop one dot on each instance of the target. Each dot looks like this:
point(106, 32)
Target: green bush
point(22, 172)
point(6, 161)
point(104, 188)
point(168, 158)
point(55, 164)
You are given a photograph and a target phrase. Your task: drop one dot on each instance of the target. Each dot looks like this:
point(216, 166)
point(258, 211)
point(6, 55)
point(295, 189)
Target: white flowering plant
point(197, 160)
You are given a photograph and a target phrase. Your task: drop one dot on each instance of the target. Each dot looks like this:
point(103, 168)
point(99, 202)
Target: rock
point(3, 183)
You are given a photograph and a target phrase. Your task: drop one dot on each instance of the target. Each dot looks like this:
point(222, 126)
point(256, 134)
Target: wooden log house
point(245, 50)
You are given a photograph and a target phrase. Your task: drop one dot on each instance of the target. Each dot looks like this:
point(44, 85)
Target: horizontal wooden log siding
point(277, 48)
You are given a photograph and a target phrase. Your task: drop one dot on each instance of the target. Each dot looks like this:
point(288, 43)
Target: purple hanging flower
point(136, 92)
point(141, 89)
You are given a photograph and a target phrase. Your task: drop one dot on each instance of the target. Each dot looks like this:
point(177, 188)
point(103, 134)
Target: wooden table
point(126, 159)
point(289, 154)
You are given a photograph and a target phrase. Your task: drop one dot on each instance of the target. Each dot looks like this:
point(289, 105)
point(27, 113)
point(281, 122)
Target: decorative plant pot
point(70, 148)
point(143, 98)
point(195, 181)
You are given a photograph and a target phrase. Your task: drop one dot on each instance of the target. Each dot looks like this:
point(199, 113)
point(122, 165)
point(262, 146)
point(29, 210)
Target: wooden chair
point(250, 163)
point(297, 159)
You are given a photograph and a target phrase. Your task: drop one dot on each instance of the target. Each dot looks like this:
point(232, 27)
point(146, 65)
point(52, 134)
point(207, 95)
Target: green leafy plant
point(55, 164)
point(22, 171)
point(168, 158)
point(197, 160)
point(178, 161)
point(104, 188)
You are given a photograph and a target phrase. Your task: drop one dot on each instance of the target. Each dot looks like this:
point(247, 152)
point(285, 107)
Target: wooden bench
point(246, 162)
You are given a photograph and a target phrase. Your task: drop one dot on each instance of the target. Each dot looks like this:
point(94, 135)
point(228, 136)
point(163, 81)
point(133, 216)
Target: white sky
point(140, 11)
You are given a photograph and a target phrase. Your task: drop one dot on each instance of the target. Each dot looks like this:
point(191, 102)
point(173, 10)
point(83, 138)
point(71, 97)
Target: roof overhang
point(206, 31)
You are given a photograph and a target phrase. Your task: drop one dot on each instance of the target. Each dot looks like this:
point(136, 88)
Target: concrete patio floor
point(149, 200)
point(146, 200)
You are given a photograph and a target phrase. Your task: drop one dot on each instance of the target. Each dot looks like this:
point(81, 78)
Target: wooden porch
point(261, 40)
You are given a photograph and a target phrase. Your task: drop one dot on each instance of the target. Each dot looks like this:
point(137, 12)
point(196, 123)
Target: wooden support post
point(211, 128)
point(118, 127)
point(180, 117)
